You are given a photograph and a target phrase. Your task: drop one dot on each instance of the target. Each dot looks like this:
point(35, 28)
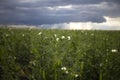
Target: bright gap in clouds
point(28, 1)
point(110, 24)
point(60, 7)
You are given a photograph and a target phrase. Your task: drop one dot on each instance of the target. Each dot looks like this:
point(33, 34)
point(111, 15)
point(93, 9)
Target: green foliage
point(35, 54)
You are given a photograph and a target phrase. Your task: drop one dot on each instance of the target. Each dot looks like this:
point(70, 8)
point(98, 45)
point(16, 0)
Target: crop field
point(38, 54)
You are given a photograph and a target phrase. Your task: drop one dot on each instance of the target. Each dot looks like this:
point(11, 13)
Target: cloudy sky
point(62, 14)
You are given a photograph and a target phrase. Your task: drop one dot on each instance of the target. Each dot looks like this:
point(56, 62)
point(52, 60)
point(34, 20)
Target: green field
point(35, 54)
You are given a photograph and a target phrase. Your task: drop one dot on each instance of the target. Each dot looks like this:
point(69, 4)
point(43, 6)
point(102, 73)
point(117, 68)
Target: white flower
point(33, 62)
point(92, 34)
point(101, 64)
point(7, 35)
point(106, 60)
point(23, 35)
point(62, 37)
point(107, 49)
point(39, 33)
point(66, 72)
point(55, 35)
point(64, 68)
point(69, 37)
point(57, 39)
point(76, 75)
point(14, 57)
point(82, 31)
point(114, 50)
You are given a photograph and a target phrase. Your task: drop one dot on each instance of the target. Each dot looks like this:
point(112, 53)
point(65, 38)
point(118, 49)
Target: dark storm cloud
point(39, 12)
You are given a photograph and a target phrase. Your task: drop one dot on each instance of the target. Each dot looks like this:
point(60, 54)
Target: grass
point(35, 54)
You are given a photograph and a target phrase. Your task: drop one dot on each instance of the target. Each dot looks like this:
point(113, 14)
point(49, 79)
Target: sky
point(61, 14)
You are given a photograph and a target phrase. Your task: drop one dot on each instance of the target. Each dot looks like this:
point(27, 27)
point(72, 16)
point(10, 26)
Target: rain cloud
point(47, 12)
